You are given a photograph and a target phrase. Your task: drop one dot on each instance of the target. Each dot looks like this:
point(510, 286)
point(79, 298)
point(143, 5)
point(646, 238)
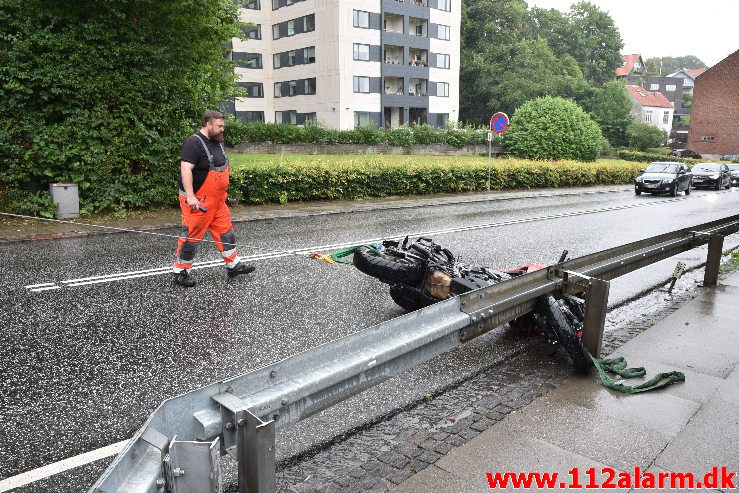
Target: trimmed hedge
point(285, 178)
point(648, 157)
point(454, 135)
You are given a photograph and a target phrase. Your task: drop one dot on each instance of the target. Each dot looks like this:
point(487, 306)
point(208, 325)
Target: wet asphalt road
point(82, 367)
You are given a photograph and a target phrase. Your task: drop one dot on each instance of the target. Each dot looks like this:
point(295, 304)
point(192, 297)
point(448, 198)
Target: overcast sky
point(708, 29)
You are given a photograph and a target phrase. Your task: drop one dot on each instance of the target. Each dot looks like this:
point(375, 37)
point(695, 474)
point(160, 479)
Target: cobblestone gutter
point(382, 455)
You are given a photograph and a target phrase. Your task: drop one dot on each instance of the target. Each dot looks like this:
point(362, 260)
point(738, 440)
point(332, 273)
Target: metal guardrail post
point(713, 261)
point(256, 450)
point(596, 305)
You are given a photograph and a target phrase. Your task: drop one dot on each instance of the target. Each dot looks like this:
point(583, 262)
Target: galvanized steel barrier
point(179, 447)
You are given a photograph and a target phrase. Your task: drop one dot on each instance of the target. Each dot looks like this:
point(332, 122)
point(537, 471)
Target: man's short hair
point(212, 115)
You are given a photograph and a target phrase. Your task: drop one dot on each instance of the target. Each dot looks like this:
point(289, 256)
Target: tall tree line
point(511, 54)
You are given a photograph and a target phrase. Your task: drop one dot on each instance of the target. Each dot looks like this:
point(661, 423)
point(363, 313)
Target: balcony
point(393, 55)
point(393, 23)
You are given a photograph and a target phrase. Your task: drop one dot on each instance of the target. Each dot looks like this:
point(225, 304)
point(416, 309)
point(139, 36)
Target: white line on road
point(43, 284)
point(61, 466)
point(85, 281)
point(48, 288)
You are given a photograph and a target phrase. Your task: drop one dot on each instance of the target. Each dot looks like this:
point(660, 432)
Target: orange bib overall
point(212, 197)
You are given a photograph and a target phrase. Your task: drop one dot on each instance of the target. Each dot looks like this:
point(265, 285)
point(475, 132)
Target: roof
point(628, 65)
point(690, 72)
point(648, 98)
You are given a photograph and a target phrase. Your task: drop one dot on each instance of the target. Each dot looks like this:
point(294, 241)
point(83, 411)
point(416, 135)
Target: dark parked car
point(711, 175)
point(686, 153)
point(664, 177)
point(734, 169)
point(732, 156)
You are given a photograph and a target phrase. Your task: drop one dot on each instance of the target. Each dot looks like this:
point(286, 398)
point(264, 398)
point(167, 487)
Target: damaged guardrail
point(178, 449)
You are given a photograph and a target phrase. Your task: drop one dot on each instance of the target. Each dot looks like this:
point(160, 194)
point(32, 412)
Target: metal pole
point(256, 454)
point(490, 158)
point(595, 315)
point(713, 261)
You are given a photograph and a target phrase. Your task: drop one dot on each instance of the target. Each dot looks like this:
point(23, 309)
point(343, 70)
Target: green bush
point(400, 136)
point(647, 157)
point(553, 128)
point(102, 94)
point(235, 132)
point(642, 136)
point(281, 179)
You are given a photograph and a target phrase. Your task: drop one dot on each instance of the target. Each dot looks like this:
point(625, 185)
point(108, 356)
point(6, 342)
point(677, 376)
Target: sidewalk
point(689, 427)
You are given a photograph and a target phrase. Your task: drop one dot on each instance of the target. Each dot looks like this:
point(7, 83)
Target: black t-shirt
point(194, 153)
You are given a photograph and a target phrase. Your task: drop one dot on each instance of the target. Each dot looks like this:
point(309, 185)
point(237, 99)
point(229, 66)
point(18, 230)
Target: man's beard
point(218, 137)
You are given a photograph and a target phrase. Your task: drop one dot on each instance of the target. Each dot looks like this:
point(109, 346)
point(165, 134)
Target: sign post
point(498, 124)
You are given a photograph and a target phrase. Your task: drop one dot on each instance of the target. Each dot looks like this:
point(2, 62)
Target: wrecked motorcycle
point(422, 273)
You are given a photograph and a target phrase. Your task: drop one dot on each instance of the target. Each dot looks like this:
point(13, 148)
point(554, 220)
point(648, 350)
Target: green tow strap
point(338, 255)
point(617, 366)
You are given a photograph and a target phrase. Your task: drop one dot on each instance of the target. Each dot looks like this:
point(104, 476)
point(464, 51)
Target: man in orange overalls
point(203, 185)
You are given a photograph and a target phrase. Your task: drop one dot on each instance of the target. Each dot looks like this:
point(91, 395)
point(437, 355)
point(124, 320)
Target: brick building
point(714, 124)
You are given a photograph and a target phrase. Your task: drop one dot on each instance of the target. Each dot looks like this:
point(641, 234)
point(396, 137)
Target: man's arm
point(186, 173)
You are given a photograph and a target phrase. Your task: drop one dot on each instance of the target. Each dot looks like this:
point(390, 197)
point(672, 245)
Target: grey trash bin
point(66, 196)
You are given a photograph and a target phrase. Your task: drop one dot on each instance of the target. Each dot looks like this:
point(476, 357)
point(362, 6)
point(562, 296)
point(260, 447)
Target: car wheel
point(637, 191)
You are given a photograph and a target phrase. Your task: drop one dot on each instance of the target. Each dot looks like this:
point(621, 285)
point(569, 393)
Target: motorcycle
point(422, 273)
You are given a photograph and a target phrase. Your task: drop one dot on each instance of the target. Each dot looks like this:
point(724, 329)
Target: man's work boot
point(241, 268)
point(184, 279)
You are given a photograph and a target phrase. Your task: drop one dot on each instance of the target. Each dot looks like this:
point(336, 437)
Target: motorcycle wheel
point(387, 268)
point(410, 298)
point(565, 333)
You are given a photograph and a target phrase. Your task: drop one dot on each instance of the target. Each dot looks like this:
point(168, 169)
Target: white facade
point(657, 116)
point(383, 61)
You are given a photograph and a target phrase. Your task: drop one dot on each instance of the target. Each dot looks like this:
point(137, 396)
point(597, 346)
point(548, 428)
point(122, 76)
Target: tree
point(505, 79)
point(669, 65)
point(610, 107)
point(586, 33)
point(553, 128)
point(102, 92)
point(643, 136)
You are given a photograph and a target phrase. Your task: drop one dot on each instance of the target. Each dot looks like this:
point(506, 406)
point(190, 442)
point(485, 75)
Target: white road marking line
point(61, 466)
point(49, 288)
point(85, 281)
point(43, 284)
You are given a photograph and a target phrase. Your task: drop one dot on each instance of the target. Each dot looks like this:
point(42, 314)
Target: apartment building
point(350, 62)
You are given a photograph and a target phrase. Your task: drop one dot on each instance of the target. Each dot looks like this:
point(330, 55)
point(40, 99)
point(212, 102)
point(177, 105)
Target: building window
point(278, 89)
point(361, 52)
point(250, 116)
point(291, 57)
point(253, 89)
point(248, 60)
point(445, 5)
point(292, 87)
point(443, 32)
point(442, 89)
point(310, 86)
point(276, 60)
point(665, 117)
point(253, 5)
point(252, 32)
point(291, 27)
point(310, 23)
point(670, 88)
point(310, 118)
point(275, 31)
point(442, 61)
point(361, 118)
point(309, 55)
point(361, 84)
point(654, 87)
point(278, 116)
point(361, 19)
point(276, 4)
point(648, 116)
point(419, 30)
